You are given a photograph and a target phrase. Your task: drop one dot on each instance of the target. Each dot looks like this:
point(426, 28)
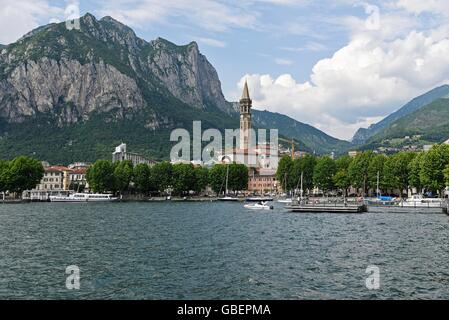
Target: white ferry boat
point(84, 197)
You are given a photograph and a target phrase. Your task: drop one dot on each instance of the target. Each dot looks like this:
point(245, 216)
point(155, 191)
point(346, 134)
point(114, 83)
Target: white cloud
point(362, 81)
point(19, 17)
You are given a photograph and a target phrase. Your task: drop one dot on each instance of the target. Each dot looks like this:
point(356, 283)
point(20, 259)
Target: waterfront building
point(56, 181)
point(121, 154)
point(55, 178)
point(77, 179)
point(263, 181)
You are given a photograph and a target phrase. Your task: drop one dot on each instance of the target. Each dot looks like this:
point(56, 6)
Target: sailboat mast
point(227, 177)
point(378, 177)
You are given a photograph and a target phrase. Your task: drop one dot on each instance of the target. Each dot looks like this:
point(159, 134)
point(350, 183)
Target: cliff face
point(103, 67)
point(187, 74)
point(47, 85)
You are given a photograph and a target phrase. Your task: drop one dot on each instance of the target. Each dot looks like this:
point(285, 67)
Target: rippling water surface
point(218, 251)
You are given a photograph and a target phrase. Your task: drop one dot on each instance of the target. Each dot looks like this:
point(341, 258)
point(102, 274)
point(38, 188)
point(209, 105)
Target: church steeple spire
point(245, 118)
point(245, 94)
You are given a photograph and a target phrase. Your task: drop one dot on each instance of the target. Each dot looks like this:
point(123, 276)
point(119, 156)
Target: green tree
point(358, 171)
point(161, 176)
point(201, 179)
point(397, 171)
point(323, 174)
point(446, 175)
point(123, 174)
point(4, 167)
point(141, 178)
point(433, 165)
point(341, 177)
point(183, 178)
point(414, 178)
point(238, 177)
point(306, 166)
point(100, 176)
point(217, 175)
point(24, 173)
point(284, 173)
point(375, 168)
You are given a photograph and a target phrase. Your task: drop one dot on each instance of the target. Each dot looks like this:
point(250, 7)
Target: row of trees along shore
point(182, 179)
point(21, 173)
point(425, 171)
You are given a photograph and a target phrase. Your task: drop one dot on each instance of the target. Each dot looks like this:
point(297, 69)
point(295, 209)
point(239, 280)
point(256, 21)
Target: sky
point(338, 65)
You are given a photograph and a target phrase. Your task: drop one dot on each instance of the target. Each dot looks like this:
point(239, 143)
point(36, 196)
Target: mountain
point(310, 137)
point(363, 135)
point(72, 95)
point(2, 46)
point(429, 124)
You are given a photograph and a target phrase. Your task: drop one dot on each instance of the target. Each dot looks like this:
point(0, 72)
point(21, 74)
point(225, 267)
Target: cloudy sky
point(338, 65)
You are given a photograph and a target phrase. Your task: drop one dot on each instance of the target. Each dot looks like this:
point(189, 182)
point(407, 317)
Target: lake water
point(218, 251)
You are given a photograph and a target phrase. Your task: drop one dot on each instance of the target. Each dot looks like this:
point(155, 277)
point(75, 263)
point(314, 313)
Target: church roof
point(245, 94)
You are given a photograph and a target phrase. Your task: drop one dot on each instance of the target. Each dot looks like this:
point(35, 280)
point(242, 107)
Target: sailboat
point(227, 197)
point(286, 200)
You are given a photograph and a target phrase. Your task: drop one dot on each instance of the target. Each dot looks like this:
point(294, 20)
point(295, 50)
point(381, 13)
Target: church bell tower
point(245, 118)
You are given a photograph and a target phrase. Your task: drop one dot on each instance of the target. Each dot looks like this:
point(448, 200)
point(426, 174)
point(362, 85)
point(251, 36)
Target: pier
point(323, 207)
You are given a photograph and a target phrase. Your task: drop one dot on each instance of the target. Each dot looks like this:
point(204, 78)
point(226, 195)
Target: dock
point(328, 208)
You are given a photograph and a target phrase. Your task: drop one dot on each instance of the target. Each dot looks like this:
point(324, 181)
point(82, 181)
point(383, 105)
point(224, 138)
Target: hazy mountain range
point(381, 128)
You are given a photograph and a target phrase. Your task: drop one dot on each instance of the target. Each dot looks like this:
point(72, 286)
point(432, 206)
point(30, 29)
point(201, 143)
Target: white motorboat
point(258, 206)
point(84, 197)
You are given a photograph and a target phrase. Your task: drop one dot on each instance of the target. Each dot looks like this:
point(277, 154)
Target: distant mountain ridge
point(363, 135)
point(430, 123)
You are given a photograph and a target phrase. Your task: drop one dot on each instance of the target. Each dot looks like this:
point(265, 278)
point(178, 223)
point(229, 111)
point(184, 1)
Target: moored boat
point(414, 204)
point(84, 197)
point(258, 206)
